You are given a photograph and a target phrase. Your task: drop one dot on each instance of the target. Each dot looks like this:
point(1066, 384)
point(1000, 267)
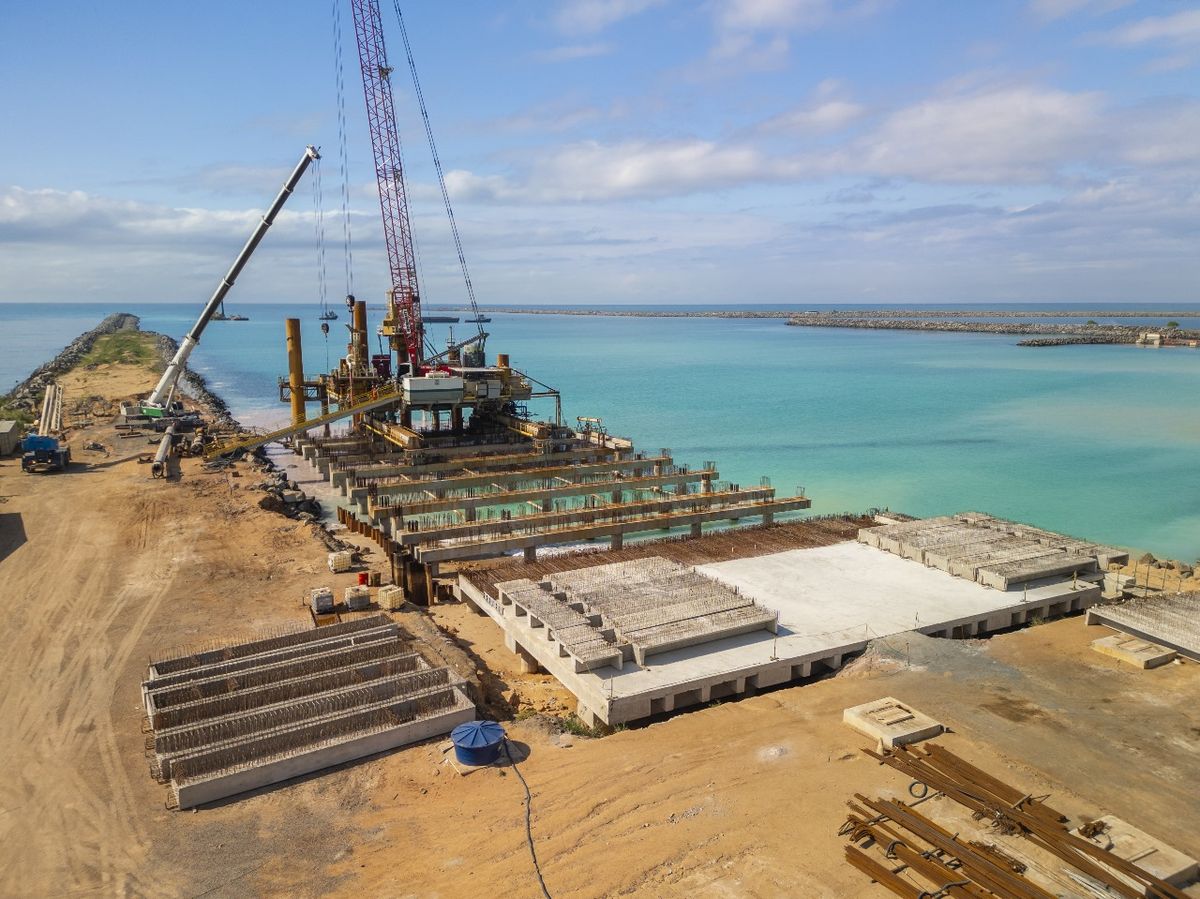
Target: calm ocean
point(1097, 441)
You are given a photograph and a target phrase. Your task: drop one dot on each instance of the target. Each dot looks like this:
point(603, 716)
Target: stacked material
point(1168, 619)
point(357, 598)
point(391, 597)
point(1028, 851)
point(321, 600)
point(236, 718)
point(991, 551)
point(340, 561)
point(656, 605)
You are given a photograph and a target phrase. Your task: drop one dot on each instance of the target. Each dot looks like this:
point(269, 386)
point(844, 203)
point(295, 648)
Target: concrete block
point(1134, 651)
point(891, 721)
point(1151, 855)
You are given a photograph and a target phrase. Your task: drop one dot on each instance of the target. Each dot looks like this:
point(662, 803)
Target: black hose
point(528, 818)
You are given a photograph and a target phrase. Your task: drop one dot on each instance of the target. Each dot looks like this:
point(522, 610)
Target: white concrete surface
point(831, 601)
point(891, 722)
point(849, 590)
point(1134, 651)
point(1149, 853)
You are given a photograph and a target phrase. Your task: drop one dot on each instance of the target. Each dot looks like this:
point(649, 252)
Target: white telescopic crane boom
point(175, 367)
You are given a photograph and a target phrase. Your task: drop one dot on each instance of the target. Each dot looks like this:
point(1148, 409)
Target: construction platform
point(992, 551)
point(497, 491)
point(803, 612)
point(235, 718)
point(1170, 620)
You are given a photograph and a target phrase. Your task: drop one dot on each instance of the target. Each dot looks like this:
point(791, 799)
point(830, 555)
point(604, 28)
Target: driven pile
point(239, 717)
point(913, 856)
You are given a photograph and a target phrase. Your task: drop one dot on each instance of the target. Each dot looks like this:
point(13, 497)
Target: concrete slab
point(891, 722)
point(1150, 854)
point(1134, 651)
point(831, 601)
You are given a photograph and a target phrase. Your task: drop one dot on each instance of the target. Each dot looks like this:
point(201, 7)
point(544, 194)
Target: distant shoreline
point(914, 313)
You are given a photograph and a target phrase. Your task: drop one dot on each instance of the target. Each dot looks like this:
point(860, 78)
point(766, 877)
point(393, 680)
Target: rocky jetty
point(193, 384)
point(29, 392)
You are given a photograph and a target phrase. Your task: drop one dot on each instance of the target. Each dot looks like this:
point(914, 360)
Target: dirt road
point(102, 567)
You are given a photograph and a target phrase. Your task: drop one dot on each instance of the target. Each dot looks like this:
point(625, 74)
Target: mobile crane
point(159, 403)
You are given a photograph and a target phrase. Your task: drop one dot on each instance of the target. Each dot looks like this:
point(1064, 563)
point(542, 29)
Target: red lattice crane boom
point(389, 174)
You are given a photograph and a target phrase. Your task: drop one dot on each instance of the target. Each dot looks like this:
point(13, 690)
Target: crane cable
point(437, 164)
point(342, 154)
point(319, 228)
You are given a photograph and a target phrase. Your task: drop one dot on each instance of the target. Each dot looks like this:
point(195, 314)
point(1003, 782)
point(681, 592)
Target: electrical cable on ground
point(528, 819)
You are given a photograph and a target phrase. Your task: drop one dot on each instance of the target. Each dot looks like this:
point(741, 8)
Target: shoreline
point(1064, 334)
point(928, 314)
point(27, 391)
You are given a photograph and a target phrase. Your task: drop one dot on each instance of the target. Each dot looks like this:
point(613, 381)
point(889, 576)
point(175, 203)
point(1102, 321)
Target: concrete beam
point(582, 515)
point(536, 494)
point(491, 547)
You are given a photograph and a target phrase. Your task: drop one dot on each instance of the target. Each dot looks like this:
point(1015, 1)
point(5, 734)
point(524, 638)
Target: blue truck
point(44, 453)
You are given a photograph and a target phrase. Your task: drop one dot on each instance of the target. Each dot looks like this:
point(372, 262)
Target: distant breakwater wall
point(1084, 333)
point(1000, 313)
point(845, 313)
point(28, 393)
point(647, 313)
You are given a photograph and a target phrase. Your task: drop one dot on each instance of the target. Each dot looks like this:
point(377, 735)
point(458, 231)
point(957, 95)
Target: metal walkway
point(248, 442)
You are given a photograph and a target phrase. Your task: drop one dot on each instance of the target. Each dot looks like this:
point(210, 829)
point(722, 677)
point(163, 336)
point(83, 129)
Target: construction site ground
point(103, 567)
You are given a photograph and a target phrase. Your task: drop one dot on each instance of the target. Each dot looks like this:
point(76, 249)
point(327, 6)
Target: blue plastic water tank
point(477, 742)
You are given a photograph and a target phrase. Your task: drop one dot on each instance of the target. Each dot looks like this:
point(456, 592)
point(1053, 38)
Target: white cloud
point(591, 16)
point(755, 35)
point(1006, 134)
point(569, 52)
point(826, 112)
point(761, 15)
point(1180, 29)
point(1047, 10)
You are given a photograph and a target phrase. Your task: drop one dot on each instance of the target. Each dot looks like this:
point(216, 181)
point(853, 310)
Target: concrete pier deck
point(830, 602)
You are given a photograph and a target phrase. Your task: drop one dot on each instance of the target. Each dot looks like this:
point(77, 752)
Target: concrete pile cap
point(891, 722)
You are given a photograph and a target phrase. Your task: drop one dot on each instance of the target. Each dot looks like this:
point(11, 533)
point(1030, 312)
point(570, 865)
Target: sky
point(613, 151)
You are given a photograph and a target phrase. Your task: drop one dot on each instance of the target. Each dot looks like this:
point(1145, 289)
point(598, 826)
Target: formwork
point(230, 719)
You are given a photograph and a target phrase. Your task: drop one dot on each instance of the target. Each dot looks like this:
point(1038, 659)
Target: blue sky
point(618, 151)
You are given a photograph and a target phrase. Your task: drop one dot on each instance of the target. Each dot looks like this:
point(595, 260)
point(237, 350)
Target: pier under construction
point(449, 465)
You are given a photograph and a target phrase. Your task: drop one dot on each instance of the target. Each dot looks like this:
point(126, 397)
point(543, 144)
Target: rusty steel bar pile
point(916, 857)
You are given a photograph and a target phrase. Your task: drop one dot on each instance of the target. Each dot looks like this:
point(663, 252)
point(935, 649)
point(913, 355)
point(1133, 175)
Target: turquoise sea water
point(1097, 441)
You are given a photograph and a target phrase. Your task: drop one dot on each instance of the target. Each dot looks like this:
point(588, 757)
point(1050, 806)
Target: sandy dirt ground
point(103, 567)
